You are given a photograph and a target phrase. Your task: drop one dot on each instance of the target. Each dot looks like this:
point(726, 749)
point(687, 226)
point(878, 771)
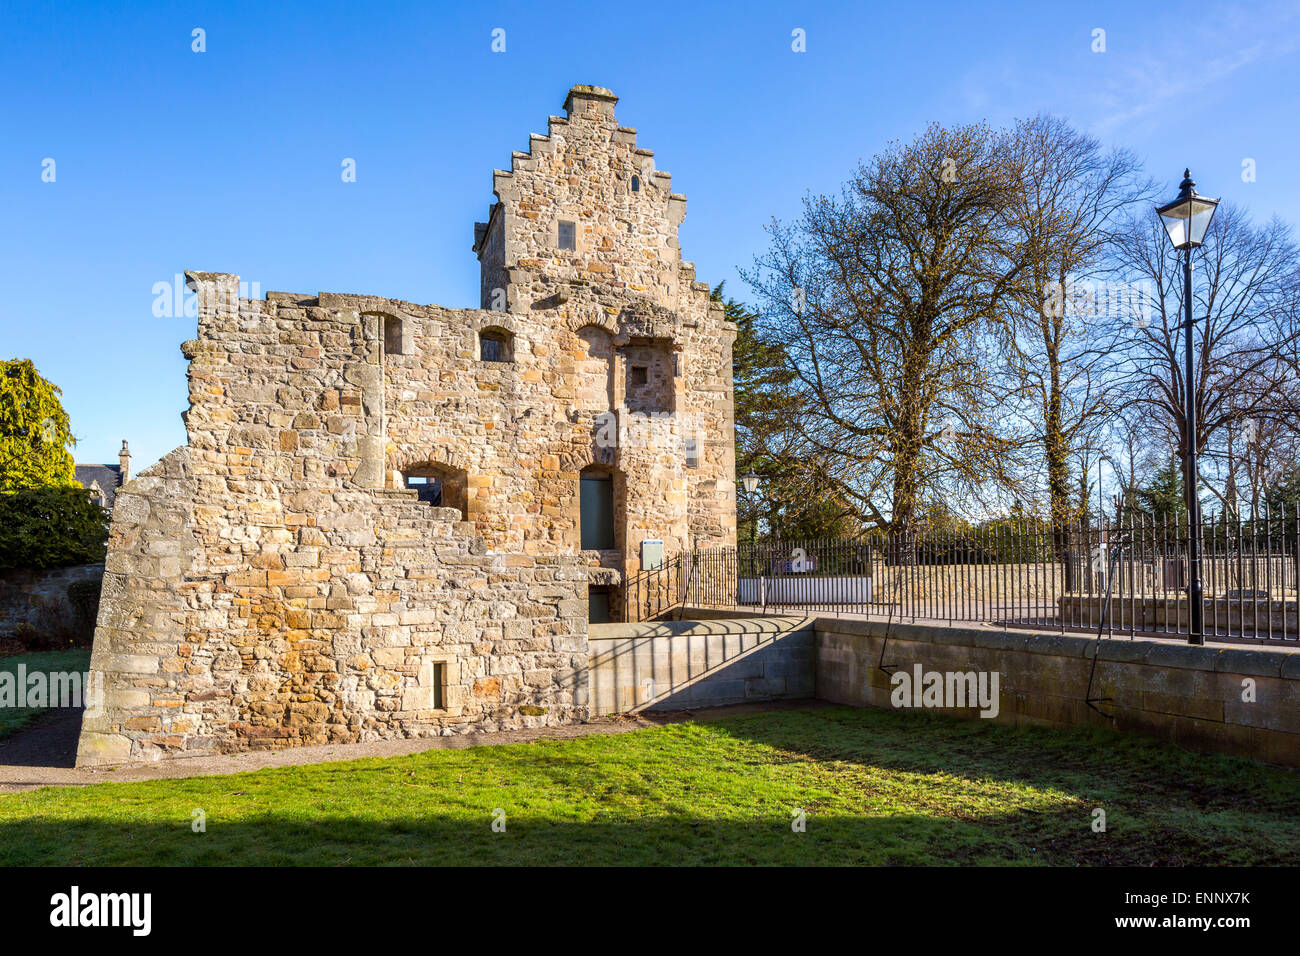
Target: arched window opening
point(496, 345)
point(439, 486)
point(636, 184)
point(596, 505)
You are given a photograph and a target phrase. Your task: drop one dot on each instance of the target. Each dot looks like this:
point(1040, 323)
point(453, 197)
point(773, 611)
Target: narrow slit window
point(636, 184)
point(394, 344)
point(692, 450)
point(439, 686)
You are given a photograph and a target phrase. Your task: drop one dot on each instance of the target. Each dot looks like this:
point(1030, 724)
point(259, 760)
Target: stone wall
point(39, 599)
point(323, 614)
point(274, 583)
point(1190, 696)
point(1216, 698)
point(682, 665)
point(582, 172)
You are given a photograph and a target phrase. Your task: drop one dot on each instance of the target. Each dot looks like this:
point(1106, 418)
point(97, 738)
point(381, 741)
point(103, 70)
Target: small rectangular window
point(639, 375)
point(495, 345)
point(568, 236)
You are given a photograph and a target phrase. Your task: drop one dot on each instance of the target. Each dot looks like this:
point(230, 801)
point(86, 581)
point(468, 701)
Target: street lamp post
point(1186, 220)
point(749, 482)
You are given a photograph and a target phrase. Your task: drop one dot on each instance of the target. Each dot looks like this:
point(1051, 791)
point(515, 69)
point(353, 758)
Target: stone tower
point(583, 214)
point(586, 228)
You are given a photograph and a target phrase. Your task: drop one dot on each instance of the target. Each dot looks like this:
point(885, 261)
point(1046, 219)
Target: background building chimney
point(124, 459)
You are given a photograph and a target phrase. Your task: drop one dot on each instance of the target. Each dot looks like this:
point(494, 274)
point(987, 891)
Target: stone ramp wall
point(682, 665)
point(1216, 698)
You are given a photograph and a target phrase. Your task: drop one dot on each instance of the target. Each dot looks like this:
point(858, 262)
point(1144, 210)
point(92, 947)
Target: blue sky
point(230, 160)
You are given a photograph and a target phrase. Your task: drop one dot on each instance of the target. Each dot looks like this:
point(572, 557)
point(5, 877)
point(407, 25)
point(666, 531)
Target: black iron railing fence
point(1128, 577)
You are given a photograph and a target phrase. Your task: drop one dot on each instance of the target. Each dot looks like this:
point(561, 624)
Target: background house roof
point(107, 477)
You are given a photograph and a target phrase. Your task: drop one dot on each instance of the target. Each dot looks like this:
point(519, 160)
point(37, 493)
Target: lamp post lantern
point(1186, 220)
point(749, 482)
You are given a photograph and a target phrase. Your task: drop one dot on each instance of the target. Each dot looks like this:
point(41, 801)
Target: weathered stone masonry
point(274, 582)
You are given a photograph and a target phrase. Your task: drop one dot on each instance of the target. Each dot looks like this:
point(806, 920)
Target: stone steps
point(407, 522)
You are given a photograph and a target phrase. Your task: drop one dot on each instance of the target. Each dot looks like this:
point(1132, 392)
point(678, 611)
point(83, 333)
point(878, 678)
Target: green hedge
point(43, 528)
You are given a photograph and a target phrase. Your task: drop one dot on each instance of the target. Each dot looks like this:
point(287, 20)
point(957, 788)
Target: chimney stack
point(595, 100)
point(124, 459)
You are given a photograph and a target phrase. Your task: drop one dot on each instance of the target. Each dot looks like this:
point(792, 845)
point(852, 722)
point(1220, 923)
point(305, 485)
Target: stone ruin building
point(396, 520)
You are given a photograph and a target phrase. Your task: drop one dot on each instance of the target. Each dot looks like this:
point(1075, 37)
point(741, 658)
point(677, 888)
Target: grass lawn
point(13, 719)
point(877, 787)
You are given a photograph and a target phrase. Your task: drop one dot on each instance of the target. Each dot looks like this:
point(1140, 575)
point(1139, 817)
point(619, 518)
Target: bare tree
point(1073, 194)
point(1252, 454)
point(888, 302)
point(1246, 338)
point(1137, 452)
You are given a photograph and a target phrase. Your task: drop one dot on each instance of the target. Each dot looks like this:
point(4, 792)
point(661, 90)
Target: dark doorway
point(598, 611)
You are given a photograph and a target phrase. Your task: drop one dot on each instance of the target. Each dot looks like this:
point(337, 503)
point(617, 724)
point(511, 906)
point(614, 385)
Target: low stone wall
point(681, 665)
point(40, 598)
point(1214, 698)
point(1252, 618)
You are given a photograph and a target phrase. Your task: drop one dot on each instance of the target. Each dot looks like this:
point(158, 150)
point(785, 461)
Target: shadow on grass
point(1089, 763)
point(1058, 838)
point(877, 787)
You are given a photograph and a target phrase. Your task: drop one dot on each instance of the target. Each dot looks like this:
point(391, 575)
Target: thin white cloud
point(1180, 69)
point(1143, 70)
